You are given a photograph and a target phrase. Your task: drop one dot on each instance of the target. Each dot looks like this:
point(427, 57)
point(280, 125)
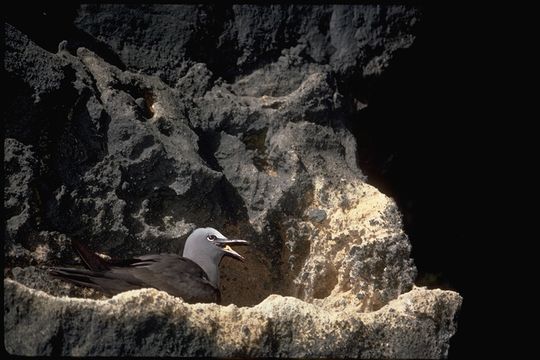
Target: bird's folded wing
point(174, 274)
point(171, 273)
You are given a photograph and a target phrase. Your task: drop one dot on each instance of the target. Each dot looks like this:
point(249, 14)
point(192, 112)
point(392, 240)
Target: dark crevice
point(57, 342)
point(324, 23)
point(208, 143)
point(49, 24)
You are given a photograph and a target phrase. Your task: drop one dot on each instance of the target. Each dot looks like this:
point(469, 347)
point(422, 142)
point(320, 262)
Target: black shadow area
point(415, 144)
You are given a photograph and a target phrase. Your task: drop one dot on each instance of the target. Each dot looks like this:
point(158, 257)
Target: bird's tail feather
point(76, 276)
point(90, 259)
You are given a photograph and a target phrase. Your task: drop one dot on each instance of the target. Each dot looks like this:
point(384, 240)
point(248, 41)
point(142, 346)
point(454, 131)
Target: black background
point(425, 145)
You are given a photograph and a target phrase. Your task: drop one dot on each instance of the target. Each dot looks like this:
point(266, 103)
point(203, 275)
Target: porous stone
point(152, 323)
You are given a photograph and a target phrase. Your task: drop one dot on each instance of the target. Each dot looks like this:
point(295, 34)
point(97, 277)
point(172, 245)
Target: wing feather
point(174, 274)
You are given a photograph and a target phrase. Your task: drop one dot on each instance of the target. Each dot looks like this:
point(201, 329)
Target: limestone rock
point(152, 323)
point(167, 39)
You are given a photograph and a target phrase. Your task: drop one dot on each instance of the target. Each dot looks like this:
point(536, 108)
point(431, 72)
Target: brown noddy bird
point(194, 276)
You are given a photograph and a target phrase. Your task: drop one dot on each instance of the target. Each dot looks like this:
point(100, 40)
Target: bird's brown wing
point(174, 274)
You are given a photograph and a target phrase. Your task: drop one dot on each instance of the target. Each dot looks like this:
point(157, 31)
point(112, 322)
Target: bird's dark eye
point(212, 237)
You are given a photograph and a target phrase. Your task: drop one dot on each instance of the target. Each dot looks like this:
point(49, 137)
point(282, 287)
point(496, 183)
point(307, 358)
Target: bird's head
point(208, 242)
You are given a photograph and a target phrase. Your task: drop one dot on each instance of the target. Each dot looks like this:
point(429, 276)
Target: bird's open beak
point(225, 245)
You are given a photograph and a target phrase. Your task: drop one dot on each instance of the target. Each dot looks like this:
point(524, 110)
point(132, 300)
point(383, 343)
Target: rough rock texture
point(154, 323)
point(235, 117)
point(239, 39)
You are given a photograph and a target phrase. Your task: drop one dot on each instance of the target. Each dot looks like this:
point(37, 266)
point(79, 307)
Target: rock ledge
point(417, 324)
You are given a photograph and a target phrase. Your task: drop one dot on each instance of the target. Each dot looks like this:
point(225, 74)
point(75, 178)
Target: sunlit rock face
point(235, 117)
